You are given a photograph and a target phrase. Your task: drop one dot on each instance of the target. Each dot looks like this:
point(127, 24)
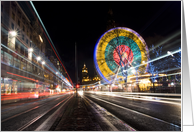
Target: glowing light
point(43, 62)
point(133, 71)
point(103, 46)
point(168, 52)
point(38, 58)
point(80, 93)
point(30, 50)
point(13, 33)
point(21, 76)
point(40, 38)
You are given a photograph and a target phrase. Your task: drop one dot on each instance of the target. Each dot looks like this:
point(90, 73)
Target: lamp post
point(76, 68)
point(11, 39)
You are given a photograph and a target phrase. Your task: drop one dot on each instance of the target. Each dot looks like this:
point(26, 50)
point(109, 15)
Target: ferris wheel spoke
point(120, 47)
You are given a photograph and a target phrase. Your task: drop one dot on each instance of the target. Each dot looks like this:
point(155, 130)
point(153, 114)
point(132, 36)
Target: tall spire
point(110, 19)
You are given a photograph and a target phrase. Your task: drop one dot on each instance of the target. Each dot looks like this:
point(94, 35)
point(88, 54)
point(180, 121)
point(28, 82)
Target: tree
point(154, 67)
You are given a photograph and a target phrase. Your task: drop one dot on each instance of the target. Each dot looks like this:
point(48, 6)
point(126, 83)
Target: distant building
point(85, 76)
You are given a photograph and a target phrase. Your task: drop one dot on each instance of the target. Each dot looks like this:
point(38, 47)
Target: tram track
point(24, 105)
point(26, 111)
point(138, 120)
point(40, 116)
point(37, 117)
point(106, 120)
point(9, 108)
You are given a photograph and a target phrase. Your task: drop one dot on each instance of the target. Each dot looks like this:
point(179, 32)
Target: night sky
point(68, 22)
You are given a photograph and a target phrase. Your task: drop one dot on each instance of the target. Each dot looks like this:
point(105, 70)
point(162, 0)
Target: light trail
point(50, 42)
point(145, 99)
point(167, 39)
point(158, 58)
point(61, 77)
point(151, 117)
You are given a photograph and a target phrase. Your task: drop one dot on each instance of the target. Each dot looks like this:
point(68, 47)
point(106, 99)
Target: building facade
point(22, 43)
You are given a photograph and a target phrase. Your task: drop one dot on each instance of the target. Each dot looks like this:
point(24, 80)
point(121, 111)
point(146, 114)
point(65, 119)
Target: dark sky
point(68, 22)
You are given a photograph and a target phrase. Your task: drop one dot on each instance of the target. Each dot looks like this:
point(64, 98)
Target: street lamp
point(30, 50)
point(11, 39)
point(13, 33)
point(38, 58)
point(43, 62)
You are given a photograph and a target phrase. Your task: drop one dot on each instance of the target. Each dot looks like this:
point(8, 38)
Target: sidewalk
point(76, 118)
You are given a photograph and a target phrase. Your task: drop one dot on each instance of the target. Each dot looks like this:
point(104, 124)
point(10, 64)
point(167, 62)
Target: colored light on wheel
point(118, 48)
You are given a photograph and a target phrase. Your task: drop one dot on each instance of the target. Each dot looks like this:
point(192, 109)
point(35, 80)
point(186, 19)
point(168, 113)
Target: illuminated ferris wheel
point(120, 53)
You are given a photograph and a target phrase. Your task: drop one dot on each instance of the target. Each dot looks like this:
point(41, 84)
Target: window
point(16, 63)
point(2, 55)
point(26, 52)
point(22, 50)
point(13, 16)
point(22, 37)
point(8, 59)
point(26, 41)
point(23, 65)
point(16, 47)
point(19, 23)
point(12, 26)
point(13, 6)
point(29, 67)
point(23, 20)
point(19, 14)
point(23, 28)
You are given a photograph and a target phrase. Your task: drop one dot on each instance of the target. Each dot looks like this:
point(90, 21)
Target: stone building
point(22, 42)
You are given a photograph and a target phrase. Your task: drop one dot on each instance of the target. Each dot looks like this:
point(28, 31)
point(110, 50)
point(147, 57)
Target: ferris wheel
point(120, 53)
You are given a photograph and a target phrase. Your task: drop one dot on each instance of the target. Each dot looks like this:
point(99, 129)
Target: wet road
point(141, 114)
point(116, 111)
point(28, 115)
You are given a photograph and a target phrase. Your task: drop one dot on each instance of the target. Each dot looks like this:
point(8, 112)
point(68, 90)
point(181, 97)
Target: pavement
point(82, 114)
point(76, 118)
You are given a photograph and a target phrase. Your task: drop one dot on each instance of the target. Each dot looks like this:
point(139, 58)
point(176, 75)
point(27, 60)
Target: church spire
point(110, 19)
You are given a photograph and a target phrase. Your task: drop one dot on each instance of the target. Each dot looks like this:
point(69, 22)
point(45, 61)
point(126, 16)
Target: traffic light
point(77, 86)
